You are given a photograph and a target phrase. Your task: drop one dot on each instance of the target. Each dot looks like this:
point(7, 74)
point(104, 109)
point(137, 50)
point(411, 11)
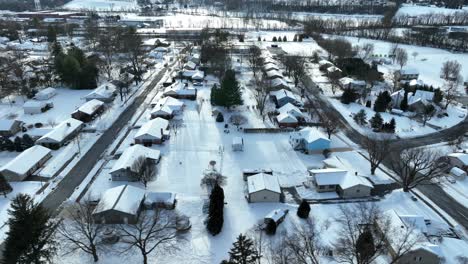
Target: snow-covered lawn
point(102, 5)
point(415, 10)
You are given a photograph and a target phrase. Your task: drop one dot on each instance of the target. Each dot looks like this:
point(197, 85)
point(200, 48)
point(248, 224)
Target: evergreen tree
point(390, 126)
point(438, 96)
point(360, 117)
point(280, 39)
point(349, 96)
point(382, 101)
point(376, 121)
point(219, 118)
point(365, 247)
point(30, 236)
point(18, 144)
point(274, 39)
point(270, 228)
point(303, 210)
point(75, 69)
point(9, 145)
point(285, 39)
point(5, 187)
point(51, 34)
point(404, 102)
point(259, 38)
point(27, 141)
point(301, 37)
point(295, 38)
point(216, 211)
point(229, 94)
point(243, 251)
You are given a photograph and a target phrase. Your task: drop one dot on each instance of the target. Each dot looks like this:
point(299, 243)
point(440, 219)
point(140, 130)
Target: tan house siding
point(264, 196)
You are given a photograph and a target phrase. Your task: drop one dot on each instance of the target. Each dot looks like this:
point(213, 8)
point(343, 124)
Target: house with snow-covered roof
point(126, 168)
point(152, 132)
point(181, 90)
point(283, 96)
point(343, 182)
point(26, 163)
point(272, 74)
point(120, 205)
point(9, 127)
point(88, 111)
point(458, 159)
point(60, 134)
point(408, 73)
point(105, 93)
point(309, 140)
point(45, 94)
point(263, 187)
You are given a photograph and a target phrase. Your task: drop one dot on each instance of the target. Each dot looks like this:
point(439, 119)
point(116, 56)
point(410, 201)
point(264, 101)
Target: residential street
point(434, 192)
point(67, 185)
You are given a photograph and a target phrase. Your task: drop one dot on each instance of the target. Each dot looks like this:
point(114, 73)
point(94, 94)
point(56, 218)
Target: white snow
point(124, 198)
point(26, 160)
point(262, 181)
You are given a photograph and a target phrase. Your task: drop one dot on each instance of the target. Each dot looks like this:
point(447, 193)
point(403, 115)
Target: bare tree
point(450, 70)
point(334, 78)
point(427, 113)
point(401, 57)
point(81, 231)
point(304, 244)
point(392, 51)
point(145, 169)
point(416, 166)
point(356, 222)
point(212, 177)
point(377, 149)
point(298, 68)
point(366, 51)
point(108, 45)
point(330, 123)
point(414, 54)
point(255, 59)
point(151, 232)
point(394, 77)
point(261, 93)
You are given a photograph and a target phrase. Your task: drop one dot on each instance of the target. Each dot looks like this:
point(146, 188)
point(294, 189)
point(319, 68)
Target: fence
point(268, 130)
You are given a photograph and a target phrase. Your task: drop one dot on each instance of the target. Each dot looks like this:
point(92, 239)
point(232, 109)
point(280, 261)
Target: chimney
point(68, 124)
point(355, 173)
point(162, 133)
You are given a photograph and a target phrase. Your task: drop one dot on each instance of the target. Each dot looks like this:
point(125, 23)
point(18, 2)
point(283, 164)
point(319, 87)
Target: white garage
point(264, 188)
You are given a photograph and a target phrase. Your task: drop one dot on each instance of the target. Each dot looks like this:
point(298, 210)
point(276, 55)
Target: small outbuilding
point(36, 107)
point(89, 110)
point(309, 140)
point(154, 131)
point(277, 216)
point(105, 93)
point(458, 173)
point(166, 200)
point(263, 187)
point(459, 160)
point(120, 205)
point(26, 163)
point(9, 128)
point(126, 169)
point(58, 136)
point(45, 94)
point(237, 144)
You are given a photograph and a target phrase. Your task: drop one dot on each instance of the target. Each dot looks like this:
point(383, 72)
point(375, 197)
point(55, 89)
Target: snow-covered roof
point(409, 71)
point(131, 154)
point(45, 93)
point(426, 95)
point(153, 128)
point(291, 109)
point(463, 157)
point(416, 82)
point(457, 172)
point(270, 66)
point(324, 62)
point(358, 82)
point(286, 118)
point(333, 69)
point(180, 89)
point(277, 82)
point(198, 75)
point(280, 94)
point(60, 132)
point(90, 107)
point(274, 73)
point(161, 110)
point(171, 102)
point(104, 91)
point(26, 160)
point(310, 134)
point(190, 65)
point(160, 197)
point(343, 178)
point(237, 141)
point(262, 181)
point(276, 214)
point(346, 81)
point(34, 104)
point(124, 198)
point(7, 124)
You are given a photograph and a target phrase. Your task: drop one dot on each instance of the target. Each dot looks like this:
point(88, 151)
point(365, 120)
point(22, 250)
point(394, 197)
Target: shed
point(61, 134)
point(88, 110)
point(458, 173)
point(9, 128)
point(166, 200)
point(26, 163)
point(263, 188)
point(190, 65)
point(120, 205)
point(124, 168)
point(277, 216)
point(459, 160)
point(237, 144)
point(152, 132)
point(286, 120)
point(45, 94)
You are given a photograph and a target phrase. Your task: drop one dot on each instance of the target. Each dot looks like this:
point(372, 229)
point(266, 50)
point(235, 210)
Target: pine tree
point(391, 126)
point(382, 101)
point(285, 39)
point(349, 96)
point(376, 121)
point(259, 38)
point(295, 38)
point(51, 34)
point(438, 96)
point(243, 251)
point(219, 118)
point(30, 236)
point(229, 94)
point(365, 247)
point(360, 117)
point(216, 211)
point(5, 187)
point(303, 210)
point(274, 39)
point(404, 102)
point(270, 228)
point(18, 144)
point(301, 37)
point(27, 141)
point(9, 145)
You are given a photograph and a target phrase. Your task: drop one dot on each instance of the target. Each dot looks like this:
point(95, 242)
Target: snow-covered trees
point(303, 210)
point(215, 219)
point(349, 96)
point(360, 117)
point(229, 94)
point(377, 149)
point(243, 251)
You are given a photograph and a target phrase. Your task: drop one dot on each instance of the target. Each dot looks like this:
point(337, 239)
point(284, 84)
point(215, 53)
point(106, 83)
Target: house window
point(331, 186)
point(321, 187)
point(358, 191)
point(264, 197)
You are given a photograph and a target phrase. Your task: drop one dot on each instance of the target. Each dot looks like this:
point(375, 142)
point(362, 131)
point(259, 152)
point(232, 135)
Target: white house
point(263, 188)
point(105, 93)
point(61, 133)
point(124, 169)
point(408, 73)
point(286, 119)
point(26, 163)
point(237, 144)
point(357, 85)
point(343, 182)
point(292, 110)
point(152, 132)
point(181, 90)
point(45, 94)
point(425, 95)
point(310, 140)
point(120, 205)
point(166, 107)
point(10, 127)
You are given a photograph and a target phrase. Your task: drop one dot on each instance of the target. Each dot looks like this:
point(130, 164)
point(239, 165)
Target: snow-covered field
point(415, 10)
point(102, 5)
